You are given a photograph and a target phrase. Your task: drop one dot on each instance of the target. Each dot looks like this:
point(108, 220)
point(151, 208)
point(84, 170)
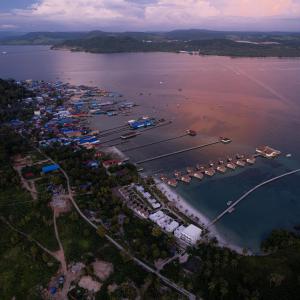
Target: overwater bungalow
point(210, 172)
point(241, 163)
point(198, 175)
point(251, 160)
point(231, 166)
point(221, 169)
point(186, 178)
point(172, 182)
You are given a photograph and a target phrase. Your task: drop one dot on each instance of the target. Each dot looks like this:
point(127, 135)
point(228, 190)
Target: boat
point(129, 135)
point(229, 203)
point(289, 155)
point(191, 132)
point(225, 140)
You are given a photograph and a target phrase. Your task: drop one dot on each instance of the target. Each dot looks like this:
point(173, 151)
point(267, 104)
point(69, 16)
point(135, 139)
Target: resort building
point(267, 151)
point(191, 234)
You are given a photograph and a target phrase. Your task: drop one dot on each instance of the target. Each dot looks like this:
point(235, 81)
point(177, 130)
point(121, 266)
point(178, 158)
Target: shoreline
point(187, 209)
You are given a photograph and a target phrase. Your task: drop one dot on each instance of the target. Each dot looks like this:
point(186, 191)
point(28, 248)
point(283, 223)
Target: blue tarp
point(50, 168)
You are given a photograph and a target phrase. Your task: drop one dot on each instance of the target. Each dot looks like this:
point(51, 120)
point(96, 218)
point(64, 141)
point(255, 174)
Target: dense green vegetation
point(11, 106)
point(24, 268)
point(223, 47)
point(218, 273)
point(224, 43)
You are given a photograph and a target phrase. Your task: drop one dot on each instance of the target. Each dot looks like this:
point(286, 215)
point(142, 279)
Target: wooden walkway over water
point(232, 206)
point(177, 152)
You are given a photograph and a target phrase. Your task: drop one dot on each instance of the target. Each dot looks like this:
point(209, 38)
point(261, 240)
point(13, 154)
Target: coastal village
point(61, 115)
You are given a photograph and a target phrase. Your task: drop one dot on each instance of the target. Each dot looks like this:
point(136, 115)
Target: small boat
point(191, 132)
point(229, 203)
point(231, 210)
point(289, 155)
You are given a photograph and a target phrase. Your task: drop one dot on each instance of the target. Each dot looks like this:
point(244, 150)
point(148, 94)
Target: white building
point(191, 234)
point(178, 231)
point(171, 226)
point(156, 216)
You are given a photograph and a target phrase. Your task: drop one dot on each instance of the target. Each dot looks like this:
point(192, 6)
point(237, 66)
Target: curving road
point(116, 244)
point(248, 193)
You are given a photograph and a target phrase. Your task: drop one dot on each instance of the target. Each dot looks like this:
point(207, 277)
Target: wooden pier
point(154, 143)
point(177, 152)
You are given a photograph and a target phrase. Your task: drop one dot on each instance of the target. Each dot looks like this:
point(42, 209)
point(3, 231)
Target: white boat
point(231, 210)
point(229, 203)
point(289, 155)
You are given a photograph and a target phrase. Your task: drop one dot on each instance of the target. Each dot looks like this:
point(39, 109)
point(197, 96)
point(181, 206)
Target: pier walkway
point(232, 206)
point(176, 152)
point(154, 143)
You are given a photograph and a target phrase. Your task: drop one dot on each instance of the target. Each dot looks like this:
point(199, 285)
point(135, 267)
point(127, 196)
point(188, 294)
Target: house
point(111, 163)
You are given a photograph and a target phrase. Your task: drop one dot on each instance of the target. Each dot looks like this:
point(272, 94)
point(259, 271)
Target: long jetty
point(154, 143)
point(232, 206)
point(177, 152)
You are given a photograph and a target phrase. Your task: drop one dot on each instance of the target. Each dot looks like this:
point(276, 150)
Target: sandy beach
point(187, 209)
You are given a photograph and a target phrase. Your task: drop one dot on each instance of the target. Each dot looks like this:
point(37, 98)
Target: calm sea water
point(252, 101)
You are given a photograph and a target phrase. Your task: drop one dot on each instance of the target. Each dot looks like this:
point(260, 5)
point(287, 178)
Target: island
point(194, 41)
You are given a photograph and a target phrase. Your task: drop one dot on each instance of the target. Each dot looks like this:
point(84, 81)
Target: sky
point(149, 15)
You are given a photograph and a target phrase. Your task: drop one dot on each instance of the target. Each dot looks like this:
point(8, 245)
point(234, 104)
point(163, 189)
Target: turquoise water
point(252, 101)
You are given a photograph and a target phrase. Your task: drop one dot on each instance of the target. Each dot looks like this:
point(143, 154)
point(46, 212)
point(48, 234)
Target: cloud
point(262, 8)
point(151, 14)
point(8, 26)
point(188, 12)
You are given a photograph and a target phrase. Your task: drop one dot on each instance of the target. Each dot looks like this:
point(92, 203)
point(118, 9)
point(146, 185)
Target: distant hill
point(41, 38)
point(207, 42)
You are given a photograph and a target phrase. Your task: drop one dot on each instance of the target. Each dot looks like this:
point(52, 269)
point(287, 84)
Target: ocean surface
point(252, 101)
